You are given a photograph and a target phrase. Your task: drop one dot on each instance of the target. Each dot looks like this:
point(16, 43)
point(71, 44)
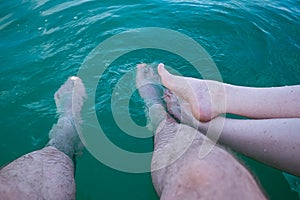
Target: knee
point(190, 182)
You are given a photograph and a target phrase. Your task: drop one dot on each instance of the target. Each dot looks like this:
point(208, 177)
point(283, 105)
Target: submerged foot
point(151, 90)
point(70, 96)
point(181, 111)
point(178, 108)
point(149, 85)
point(206, 98)
point(69, 100)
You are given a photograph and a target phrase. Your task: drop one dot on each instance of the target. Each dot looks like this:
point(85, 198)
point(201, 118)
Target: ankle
point(64, 137)
point(218, 93)
point(231, 94)
point(157, 114)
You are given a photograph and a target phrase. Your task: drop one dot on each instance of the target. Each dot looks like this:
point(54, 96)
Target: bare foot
point(205, 97)
point(151, 90)
point(181, 110)
point(177, 107)
point(70, 97)
point(149, 85)
point(69, 101)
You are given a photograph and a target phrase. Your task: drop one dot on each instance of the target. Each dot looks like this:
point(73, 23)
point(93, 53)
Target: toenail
point(74, 78)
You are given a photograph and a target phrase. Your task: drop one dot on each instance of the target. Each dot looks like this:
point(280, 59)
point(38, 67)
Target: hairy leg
point(44, 174)
point(178, 172)
point(49, 173)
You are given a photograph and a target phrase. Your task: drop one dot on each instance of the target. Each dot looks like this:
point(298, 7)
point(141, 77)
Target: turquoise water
point(44, 42)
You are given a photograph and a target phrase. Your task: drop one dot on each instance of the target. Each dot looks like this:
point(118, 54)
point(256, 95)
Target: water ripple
point(43, 42)
point(63, 7)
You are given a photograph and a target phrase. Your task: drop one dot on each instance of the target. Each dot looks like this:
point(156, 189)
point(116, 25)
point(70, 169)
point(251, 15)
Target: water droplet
point(46, 20)
point(40, 28)
point(75, 17)
point(296, 183)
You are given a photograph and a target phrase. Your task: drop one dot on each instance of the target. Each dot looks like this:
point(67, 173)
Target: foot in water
point(69, 100)
point(151, 90)
point(181, 111)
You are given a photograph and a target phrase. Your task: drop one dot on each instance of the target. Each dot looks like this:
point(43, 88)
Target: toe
point(167, 79)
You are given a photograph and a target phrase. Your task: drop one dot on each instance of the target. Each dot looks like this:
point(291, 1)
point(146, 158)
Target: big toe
point(177, 84)
point(167, 79)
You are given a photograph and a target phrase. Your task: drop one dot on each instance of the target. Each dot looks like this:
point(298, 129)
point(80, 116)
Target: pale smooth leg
point(208, 98)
